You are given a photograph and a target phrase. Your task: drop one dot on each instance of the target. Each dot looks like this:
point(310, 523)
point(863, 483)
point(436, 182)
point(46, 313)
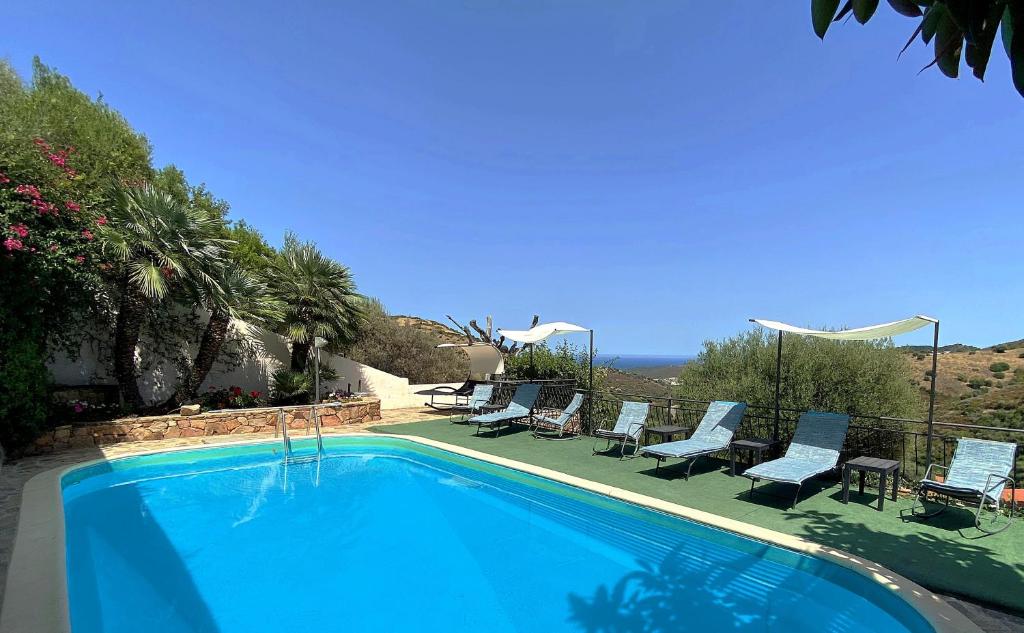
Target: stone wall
point(223, 423)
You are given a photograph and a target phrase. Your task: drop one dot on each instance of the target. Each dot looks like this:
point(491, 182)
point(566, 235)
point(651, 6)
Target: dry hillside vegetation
point(975, 385)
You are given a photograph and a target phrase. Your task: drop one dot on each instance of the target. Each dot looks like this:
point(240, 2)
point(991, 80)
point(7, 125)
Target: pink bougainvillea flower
point(100, 221)
point(41, 143)
point(12, 244)
point(44, 207)
point(28, 190)
point(80, 258)
point(78, 407)
point(4, 179)
point(53, 248)
point(59, 159)
point(18, 229)
point(87, 234)
point(71, 205)
point(70, 172)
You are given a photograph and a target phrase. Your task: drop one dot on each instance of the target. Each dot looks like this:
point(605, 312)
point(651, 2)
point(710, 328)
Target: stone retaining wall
point(227, 422)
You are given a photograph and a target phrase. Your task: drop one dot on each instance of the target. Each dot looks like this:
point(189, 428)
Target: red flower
point(28, 190)
point(53, 248)
point(255, 394)
point(235, 391)
point(100, 221)
point(41, 143)
point(87, 234)
point(167, 271)
point(44, 207)
point(18, 229)
point(12, 244)
point(71, 205)
point(4, 179)
point(80, 258)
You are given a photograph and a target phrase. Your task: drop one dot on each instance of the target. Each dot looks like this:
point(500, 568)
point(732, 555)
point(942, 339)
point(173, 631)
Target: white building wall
point(253, 374)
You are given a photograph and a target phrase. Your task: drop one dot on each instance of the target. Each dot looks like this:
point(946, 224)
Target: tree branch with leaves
point(957, 29)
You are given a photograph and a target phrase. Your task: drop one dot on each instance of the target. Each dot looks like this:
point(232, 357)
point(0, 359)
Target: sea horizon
point(633, 361)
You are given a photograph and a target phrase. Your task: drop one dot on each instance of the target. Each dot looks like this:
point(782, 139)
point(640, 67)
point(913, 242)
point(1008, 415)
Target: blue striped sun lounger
point(629, 427)
point(979, 473)
point(815, 449)
point(519, 408)
point(559, 424)
point(713, 434)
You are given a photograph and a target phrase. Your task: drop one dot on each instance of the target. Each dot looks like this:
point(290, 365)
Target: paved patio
point(934, 554)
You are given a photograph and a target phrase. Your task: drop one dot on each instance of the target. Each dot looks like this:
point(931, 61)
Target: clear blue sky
point(660, 171)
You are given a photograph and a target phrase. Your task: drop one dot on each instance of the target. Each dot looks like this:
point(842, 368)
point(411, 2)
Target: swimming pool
point(386, 534)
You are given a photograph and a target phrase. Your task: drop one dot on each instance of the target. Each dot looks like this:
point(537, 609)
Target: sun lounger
point(519, 408)
point(713, 434)
point(815, 449)
point(979, 473)
point(629, 427)
point(560, 423)
point(480, 396)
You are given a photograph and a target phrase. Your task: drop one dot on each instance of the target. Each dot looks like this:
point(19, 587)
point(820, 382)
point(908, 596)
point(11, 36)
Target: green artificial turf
point(944, 554)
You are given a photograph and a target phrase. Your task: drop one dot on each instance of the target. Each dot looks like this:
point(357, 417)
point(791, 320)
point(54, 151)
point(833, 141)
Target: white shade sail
point(882, 330)
point(485, 360)
point(540, 332)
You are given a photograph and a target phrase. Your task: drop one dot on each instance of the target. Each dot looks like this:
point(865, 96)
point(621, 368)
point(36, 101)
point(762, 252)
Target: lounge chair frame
point(694, 455)
point(838, 418)
point(981, 497)
point(634, 431)
point(539, 423)
point(470, 408)
point(508, 417)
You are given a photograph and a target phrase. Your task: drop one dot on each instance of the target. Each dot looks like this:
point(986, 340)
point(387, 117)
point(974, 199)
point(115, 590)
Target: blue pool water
point(384, 534)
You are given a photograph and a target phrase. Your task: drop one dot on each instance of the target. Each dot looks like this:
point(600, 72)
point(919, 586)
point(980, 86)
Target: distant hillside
point(927, 349)
point(661, 371)
point(975, 386)
point(634, 384)
point(440, 331)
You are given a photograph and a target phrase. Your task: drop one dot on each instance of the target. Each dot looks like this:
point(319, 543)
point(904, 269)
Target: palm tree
point(240, 296)
point(319, 296)
point(155, 242)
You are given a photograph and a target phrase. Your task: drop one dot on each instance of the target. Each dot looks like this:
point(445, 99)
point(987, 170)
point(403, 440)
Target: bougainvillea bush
point(59, 152)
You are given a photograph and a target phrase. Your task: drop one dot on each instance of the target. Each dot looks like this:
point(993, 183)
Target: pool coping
point(36, 598)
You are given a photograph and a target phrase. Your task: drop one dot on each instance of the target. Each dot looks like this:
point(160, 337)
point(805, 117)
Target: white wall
point(271, 352)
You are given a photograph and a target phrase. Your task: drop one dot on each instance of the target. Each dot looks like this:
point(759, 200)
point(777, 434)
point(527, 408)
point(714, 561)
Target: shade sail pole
point(533, 371)
point(590, 386)
point(778, 387)
point(931, 395)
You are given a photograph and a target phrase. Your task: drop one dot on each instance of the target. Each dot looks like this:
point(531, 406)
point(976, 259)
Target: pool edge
point(36, 600)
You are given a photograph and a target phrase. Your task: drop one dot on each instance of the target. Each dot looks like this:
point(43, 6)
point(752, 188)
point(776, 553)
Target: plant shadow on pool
point(143, 545)
point(686, 593)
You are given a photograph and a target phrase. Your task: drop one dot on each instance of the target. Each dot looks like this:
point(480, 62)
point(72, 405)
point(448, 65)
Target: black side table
point(884, 468)
point(664, 432)
point(755, 446)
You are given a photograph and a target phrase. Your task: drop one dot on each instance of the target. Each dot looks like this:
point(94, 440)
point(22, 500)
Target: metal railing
point(901, 439)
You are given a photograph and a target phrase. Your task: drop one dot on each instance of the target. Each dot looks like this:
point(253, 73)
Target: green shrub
point(871, 378)
point(289, 387)
point(999, 349)
point(405, 351)
point(24, 392)
point(566, 360)
point(999, 375)
point(998, 367)
point(961, 377)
